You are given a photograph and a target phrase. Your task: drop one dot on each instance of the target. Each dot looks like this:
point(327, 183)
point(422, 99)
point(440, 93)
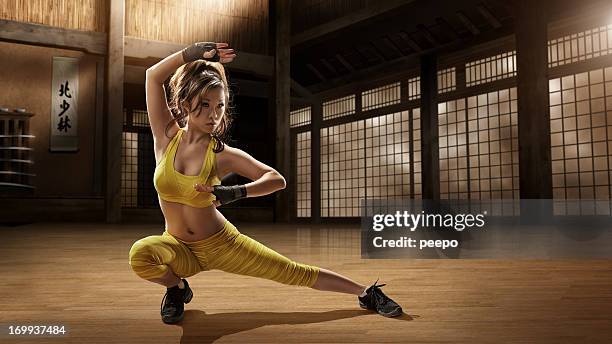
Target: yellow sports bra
point(173, 186)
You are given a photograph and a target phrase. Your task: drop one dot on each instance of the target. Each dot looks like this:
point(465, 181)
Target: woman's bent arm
point(268, 183)
point(157, 106)
point(265, 179)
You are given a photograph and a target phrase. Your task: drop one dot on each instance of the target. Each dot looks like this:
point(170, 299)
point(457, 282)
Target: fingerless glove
point(196, 51)
point(228, 194)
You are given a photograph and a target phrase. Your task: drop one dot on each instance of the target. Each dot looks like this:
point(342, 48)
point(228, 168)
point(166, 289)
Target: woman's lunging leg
point(240, 254)
point(331, 281)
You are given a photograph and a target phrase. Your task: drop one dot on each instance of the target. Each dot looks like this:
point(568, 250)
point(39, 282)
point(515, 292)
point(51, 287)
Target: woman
point(190, 161)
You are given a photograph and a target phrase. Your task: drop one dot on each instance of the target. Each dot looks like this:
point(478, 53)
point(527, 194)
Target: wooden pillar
point(282, 86)
point(316, 116)
point(429, 128)
point(99, 166)
point(114, 109)
point(533, 112)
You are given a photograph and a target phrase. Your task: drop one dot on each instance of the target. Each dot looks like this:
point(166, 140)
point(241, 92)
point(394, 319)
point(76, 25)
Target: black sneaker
point(172, 306)
point(377, 301)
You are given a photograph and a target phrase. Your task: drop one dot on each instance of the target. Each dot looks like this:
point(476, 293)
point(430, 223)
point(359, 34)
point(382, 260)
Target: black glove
point(196, 51)
point(228, 194)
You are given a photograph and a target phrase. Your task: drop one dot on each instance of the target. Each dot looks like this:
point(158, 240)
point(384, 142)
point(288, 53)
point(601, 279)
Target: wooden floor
point(78, 275)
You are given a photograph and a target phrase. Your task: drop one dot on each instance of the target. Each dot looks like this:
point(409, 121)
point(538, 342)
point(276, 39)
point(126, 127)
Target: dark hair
point(192, 80)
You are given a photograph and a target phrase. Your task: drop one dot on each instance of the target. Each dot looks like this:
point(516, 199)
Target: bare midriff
point(189, 223)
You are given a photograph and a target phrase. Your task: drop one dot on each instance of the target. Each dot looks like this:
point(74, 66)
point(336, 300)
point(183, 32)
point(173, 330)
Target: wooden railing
point(16, 162)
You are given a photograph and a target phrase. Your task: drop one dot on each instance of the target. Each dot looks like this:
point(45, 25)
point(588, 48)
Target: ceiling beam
point(250, 88)
point(413, 45)
point(392, 46)
point(428, 36)
point(365, 51)
point(468, 23)
point(316, 72)
point(141, 48)
point(474, 43)
point(329, 66)
point(449, 29)
point(345, 63)
point(404, 18)
point(488, 16)
point(301, 101)
point(348, 20)
point(45, 35)
point(300, 90)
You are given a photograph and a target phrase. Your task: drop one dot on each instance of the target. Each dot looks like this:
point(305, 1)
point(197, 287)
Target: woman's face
point(211, 110)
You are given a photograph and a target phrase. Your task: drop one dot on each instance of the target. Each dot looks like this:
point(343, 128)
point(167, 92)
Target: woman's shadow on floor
point(199, 327)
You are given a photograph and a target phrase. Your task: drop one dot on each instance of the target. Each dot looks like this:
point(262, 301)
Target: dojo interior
point(349, 101)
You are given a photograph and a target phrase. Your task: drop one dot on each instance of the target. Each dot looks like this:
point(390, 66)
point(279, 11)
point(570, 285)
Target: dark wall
point(252, 133)
point(25, 80)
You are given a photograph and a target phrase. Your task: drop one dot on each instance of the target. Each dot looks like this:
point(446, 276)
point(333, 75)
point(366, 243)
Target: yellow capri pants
point(227, 250)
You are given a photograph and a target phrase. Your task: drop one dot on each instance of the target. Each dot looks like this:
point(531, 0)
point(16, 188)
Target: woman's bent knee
point(145, 260)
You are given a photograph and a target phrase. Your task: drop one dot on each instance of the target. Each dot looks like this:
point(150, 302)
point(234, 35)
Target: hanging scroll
point(64, 100)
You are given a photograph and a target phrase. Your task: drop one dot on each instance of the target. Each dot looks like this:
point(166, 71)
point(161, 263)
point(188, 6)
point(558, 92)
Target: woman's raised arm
point(157, 106)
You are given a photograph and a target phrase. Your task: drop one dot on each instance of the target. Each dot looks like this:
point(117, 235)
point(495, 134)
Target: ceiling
point(406, 30)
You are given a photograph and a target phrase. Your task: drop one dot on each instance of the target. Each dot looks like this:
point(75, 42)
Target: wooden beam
point(429, 128)
point(474, 44)
point(114, 109)
point(282, 86)
point(374, 50)
point(383, 49)
point(300, 90)
point(404, 18)
point(413, 45)
point(428, 36)
point(254, 63)
point(348, 20)
point(301, 101)
point(316, 72)
point(392, 46)
point(488, 16)
point(535, 167)
point(368, 51)
point(467, 23)
point(449, 29)
point(244, 87)
point(345, 63)
point(329, 66)
point(315, 166)
point(98, 177)
point(45, 35)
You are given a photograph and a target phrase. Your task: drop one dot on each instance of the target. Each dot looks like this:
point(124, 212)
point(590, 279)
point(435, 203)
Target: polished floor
point(77, 275)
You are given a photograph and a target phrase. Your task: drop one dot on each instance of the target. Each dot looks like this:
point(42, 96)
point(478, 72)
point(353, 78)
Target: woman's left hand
point(209, 189)
point(226, 55)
